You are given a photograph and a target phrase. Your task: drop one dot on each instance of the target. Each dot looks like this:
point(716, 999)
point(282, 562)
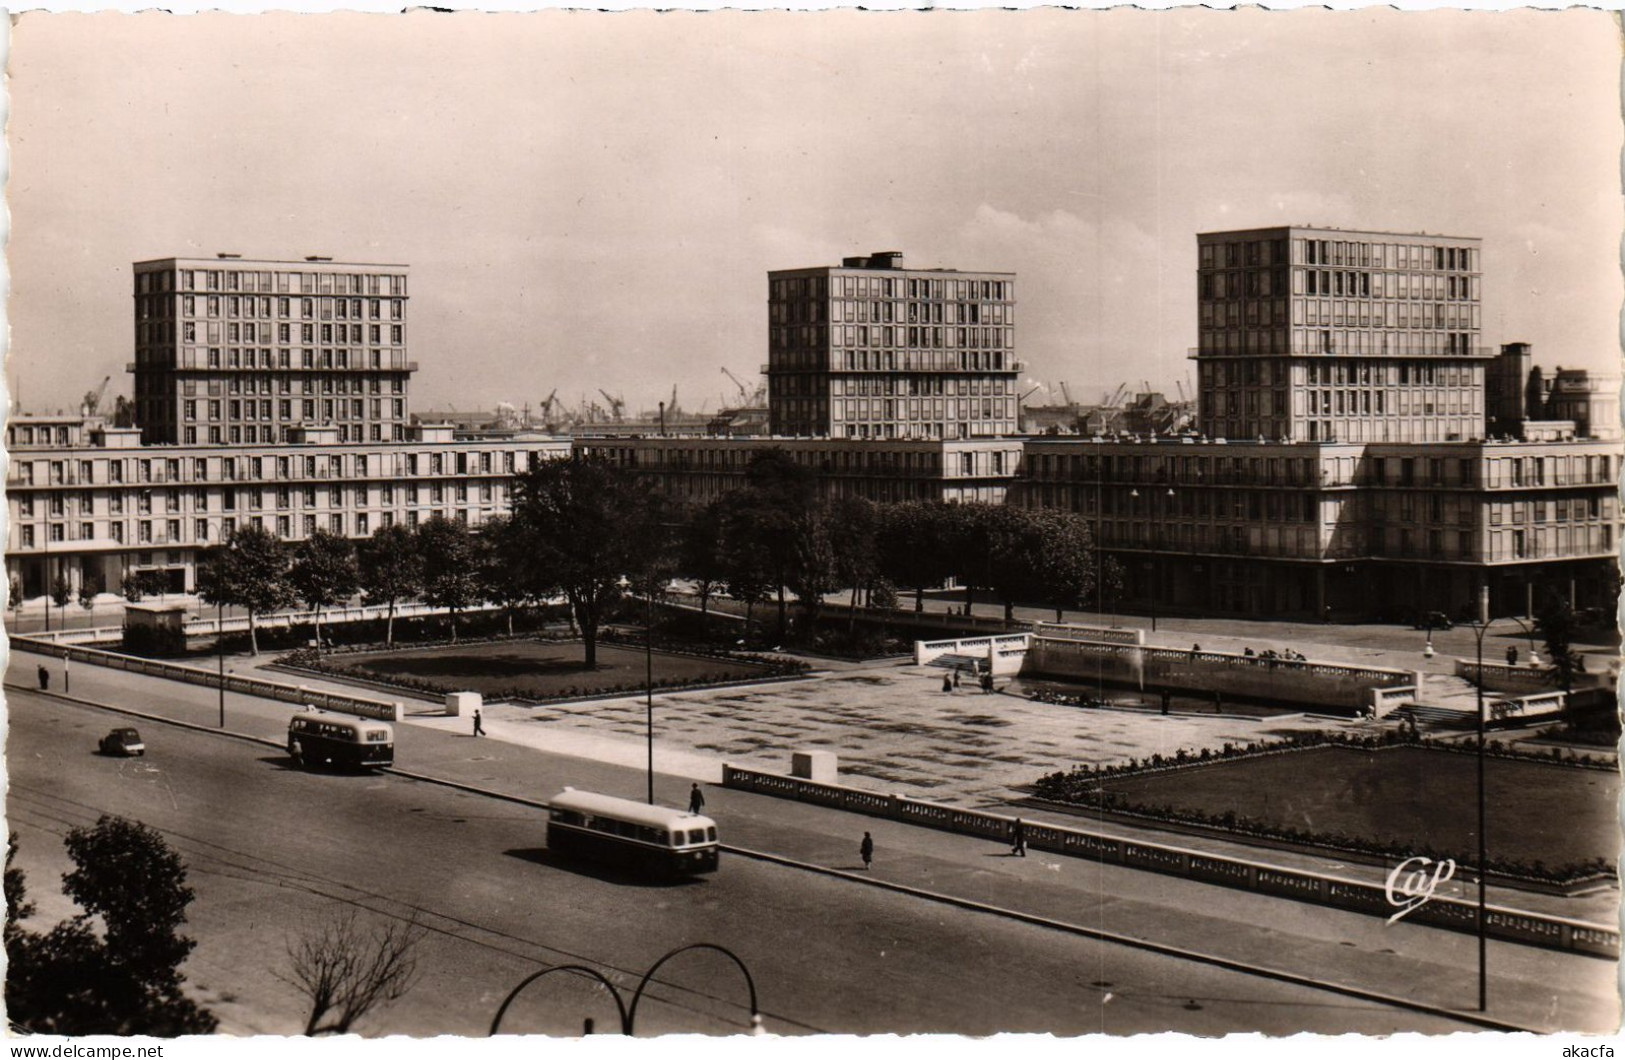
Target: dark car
point(123, 742)
point(1434, 620)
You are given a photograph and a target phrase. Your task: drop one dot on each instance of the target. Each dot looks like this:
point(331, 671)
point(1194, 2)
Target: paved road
point(273, 849)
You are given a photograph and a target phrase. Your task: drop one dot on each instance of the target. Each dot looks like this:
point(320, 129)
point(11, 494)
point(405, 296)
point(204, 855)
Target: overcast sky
point(593, 200)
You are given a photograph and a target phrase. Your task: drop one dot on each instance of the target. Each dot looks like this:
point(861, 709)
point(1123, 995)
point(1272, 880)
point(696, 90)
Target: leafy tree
point(912, 548)
point(250, 570)
point(1067, 562)
point(746, 565)
point(324, 573)
point(61, 590)
point(127, 980)
point(587, 524)
point(852, 523)
point(1557, 625)
point(15, 593)
point(389, 569)
point(346, 972)
point(772, 519)
point(133, 587)
point(702, 552)
point(450, 577)
point(501, 551)
point(89, 589)
point(18, 907)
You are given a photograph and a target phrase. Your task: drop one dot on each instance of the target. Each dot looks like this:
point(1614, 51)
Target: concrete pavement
point(1537, 988)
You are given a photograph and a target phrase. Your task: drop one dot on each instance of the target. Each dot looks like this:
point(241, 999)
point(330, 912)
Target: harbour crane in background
point(617, 406)
point(93, 398)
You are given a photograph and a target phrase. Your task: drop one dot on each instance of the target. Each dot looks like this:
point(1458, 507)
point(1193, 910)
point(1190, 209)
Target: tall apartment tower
point(1320, 334)
point(238, 352)
point(871, 349)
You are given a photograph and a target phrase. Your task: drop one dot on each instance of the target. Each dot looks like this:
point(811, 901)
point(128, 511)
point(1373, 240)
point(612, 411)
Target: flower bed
point(541, 669)
point(1382, 796)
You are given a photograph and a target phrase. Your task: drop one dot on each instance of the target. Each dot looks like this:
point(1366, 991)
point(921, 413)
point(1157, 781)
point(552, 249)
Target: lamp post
point(1479, 629)
point(1152, 566)
point(220, 654)
point(649, 680)
point(629, 1013)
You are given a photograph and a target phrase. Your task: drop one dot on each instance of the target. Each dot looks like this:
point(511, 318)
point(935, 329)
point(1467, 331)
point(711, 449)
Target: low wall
point(1351, 895)
point(1099, 634)
point(337, 702)
point(1306, 683)
point(1499, 677)
point(208, 627)
point(1004, 651)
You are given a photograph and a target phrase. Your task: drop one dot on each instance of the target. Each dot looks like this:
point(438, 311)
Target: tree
point(250, 570)
point(1065, 562)
point(586, 525)
point(500, 551)
point(324, 573)
point(450, 577)
point(389, 569)
point(61, 590)
point(771, 519)
point(702, 553)
point(15, 593)
point(852, 523)
point(1557, 624)
point(133, 588)
point(18, 907)
point(89, 589)
point(127, 980)
point(912, 548)
point(346, 971)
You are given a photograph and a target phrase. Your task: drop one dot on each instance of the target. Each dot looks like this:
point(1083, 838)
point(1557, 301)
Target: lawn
point(542, 669)
point(1555, 814)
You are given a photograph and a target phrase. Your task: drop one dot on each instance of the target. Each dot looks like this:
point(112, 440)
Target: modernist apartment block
point(871, 349)
point(699, 470)
point(105, 504)
point(1282, 528)
point(1320, 334)
point(236, 352)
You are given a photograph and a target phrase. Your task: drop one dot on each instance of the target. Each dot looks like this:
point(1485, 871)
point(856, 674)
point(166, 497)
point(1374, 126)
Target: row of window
point(270, 282)
point(283, 498)
point(200, 469)
point(168, 531)
point(1326, 341)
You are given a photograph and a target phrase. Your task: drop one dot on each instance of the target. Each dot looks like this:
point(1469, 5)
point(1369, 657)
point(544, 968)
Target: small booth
point(156, 628)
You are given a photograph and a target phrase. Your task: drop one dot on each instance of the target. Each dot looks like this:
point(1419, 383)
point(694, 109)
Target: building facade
point(1288, 529)
point(698, 470)
point(106, 505)
point(236, 352)
point(870, 349)
point(1320, 334)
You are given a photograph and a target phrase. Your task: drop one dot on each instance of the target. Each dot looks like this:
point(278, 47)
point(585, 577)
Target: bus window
point(711, 834)
point(696, 835)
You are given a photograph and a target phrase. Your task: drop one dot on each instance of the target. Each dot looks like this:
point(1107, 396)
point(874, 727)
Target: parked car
point(1434, 620)
point(123, 742)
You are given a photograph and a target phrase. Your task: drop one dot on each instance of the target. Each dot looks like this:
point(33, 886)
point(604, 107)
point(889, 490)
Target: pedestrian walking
point(1018, 839)
point(479, 729)
point(987, 682)
point(867, 850)
point(1512, 655)
point(696, 799)
point(956, 677)
point(947, 683)
point(44, 679)
point(1167, 697)
point(1218, 701)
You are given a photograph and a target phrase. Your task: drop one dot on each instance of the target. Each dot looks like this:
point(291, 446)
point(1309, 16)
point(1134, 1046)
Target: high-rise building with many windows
point(237, 352)
point(871, 349)
point(1321, 334)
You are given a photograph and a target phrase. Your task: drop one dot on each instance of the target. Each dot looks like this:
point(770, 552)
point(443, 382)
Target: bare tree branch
point(346, 970)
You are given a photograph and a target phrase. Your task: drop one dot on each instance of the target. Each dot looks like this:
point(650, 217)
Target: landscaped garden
point(1549, 817)
point(539, 670)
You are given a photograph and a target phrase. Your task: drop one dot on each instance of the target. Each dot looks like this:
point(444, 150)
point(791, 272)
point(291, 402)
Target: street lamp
point(1479, 629)
point(629, 1013)
point(649, 678)
point(220, 654)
